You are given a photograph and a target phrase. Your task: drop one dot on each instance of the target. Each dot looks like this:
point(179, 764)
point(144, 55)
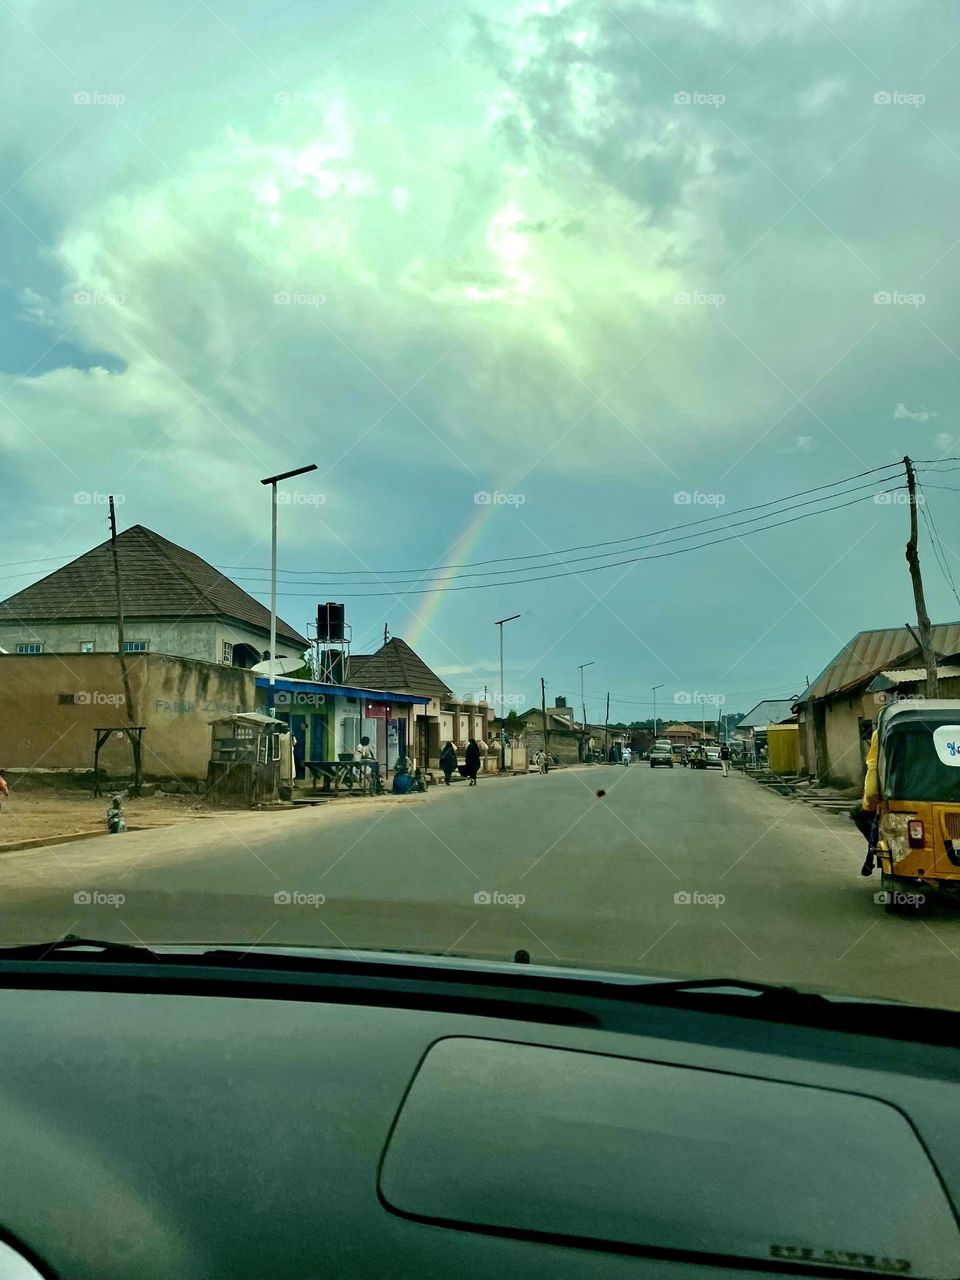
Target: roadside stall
point(251, 760)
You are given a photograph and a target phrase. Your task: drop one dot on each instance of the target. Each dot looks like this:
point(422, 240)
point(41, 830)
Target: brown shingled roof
point(395, 666)
point(160, 580)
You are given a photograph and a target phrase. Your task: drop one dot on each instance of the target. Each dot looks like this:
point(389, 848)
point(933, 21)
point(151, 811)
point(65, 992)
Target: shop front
point(327, 722)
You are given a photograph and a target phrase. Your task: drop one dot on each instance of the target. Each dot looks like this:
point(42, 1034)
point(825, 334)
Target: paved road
point(772, 888)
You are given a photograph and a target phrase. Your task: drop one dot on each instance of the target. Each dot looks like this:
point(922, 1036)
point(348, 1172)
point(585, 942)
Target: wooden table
point(331, 773)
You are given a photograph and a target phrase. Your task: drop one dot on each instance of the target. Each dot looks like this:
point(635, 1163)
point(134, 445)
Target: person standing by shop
point(471, 759)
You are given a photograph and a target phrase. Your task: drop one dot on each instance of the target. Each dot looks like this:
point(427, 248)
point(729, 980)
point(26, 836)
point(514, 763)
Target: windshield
point(431, 432)
point(914, 769)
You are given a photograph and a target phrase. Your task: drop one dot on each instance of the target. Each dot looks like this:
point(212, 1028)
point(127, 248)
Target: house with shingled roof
point(174, 603)
point(446, 718)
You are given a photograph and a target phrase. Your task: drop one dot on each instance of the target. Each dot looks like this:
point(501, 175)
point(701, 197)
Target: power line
point(572, 573)
point(539, 555)
point(935, 539)
point(491, 573)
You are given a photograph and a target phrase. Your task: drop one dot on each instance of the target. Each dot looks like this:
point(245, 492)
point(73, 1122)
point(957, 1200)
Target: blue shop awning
point(287, 685)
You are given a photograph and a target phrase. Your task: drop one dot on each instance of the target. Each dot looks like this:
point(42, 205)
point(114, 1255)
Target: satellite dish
point(281, 666)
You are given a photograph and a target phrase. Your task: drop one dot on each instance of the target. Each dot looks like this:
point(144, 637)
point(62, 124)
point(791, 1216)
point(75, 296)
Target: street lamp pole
point(272, 481)
point(583, 705)
point(654, 692)
point(503, 749)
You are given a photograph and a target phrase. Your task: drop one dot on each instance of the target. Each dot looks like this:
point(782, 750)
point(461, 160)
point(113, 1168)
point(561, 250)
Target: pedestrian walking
point(448, 762)
point(4, 789)
point(725, 760)
point(471, 759)
point(540, 760)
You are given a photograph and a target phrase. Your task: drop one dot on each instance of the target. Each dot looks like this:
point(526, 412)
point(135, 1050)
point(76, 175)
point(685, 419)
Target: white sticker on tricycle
point(946, 740)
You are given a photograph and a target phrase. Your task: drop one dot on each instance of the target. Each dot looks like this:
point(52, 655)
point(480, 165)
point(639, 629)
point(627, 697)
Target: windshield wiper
point(72, 942)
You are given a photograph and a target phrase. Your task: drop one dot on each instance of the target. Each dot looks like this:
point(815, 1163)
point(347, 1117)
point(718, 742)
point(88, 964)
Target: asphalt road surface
point(662, 870)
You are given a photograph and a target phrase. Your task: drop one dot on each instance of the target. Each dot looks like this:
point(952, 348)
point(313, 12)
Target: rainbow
point(457, 553)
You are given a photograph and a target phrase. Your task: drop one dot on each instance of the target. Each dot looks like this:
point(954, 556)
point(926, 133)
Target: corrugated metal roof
point(772, 711)
point(872, 651)
point(912, 675)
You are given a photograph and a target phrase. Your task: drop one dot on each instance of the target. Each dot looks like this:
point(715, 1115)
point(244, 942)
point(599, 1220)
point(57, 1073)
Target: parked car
point(661, 753)
point(712, 760)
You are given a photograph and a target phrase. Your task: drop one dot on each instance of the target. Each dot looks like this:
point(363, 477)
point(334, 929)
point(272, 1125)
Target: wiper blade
point(100, 949)
point(652, 992)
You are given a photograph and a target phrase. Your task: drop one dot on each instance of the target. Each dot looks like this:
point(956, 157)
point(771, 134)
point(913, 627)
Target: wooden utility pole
point(121, 653)
point(925, 637)
point(543, 708)
point(606, 732)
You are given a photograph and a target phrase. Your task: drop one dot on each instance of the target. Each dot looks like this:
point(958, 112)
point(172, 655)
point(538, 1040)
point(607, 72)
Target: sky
point(518, 278)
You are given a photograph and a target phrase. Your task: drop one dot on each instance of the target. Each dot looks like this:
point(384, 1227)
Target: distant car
point(661, 753)
point(712, 758)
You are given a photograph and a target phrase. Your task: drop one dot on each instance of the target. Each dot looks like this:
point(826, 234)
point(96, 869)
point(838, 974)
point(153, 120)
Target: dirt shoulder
point(45, 815)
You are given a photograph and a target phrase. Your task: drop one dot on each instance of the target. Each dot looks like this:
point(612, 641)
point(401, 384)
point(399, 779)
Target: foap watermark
point(97, 98)
point(897, 898)
point(697, 98)
point(497, 499)
point(699, 299)
point(494, 898)
point(693, 898)
point(897, 298)
point(684, 498)
point(497, 98)
point(685, 697)
point(287, 498)
point(888, 697)
point(296, 898)
point(89, 298)
point(495, 700)
point(285, 99)
point(897, 98)
point(96, 898)
point(97, 698)
point(896, 498)
point(298, 298)
point(93, 498)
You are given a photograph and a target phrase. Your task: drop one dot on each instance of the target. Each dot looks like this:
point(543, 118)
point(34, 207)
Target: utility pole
point(654, 692)
point(543, 709)
point(606, 731)
point(122, 653)
point(386, 633)
point(925, 637)
point(503, 748)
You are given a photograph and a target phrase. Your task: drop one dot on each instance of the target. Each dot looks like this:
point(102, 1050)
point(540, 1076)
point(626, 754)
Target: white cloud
point(913, 415)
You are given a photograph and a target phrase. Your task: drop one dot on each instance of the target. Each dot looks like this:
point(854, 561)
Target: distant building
point(751, 731)
point(565, 737)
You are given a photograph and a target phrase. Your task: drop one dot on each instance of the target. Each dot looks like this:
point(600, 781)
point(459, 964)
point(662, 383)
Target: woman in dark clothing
point(471, 759)
point(448, 762)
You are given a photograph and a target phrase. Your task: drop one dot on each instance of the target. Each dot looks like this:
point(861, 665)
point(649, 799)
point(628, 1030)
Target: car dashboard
point(386, 1120)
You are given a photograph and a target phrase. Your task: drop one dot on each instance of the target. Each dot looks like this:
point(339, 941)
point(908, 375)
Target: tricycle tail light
point(915, 833)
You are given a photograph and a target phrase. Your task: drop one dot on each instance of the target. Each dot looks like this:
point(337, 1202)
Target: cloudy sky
point(588, 259)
